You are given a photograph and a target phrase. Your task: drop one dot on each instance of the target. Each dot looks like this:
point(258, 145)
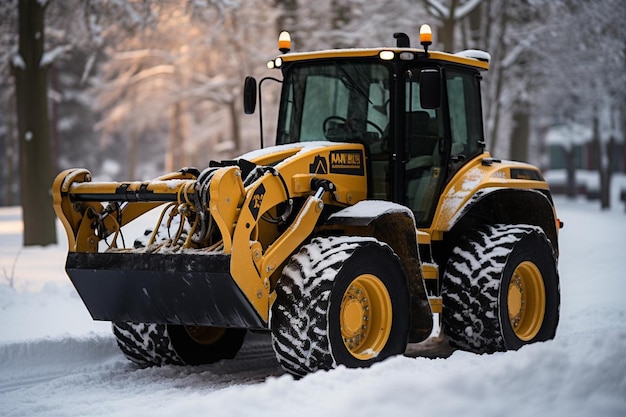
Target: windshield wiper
point(353, 84)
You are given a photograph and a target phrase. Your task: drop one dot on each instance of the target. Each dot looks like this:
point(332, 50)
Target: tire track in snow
point(31, 362)
point(94, 360)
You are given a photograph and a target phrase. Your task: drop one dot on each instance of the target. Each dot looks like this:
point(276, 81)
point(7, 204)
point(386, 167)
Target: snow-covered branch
point(465, 9)
point(437, 9)
point(143, 53)
point(50, 56)
point(442, 11)
point(17, 61)
point(152, 72)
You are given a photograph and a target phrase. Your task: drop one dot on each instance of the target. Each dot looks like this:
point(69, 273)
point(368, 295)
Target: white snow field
point(56, 361)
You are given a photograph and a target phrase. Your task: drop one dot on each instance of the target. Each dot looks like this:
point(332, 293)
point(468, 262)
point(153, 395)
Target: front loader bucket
point(189, 289)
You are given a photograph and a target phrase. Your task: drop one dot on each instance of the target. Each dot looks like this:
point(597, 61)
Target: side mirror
point(430, 88)
point(249, 95)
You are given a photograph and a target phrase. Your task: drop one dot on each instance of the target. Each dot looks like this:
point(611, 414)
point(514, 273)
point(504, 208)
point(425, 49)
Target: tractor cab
point(417, 113)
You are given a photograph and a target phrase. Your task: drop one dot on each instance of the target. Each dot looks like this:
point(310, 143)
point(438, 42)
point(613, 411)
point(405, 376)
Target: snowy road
point(74, 372)
point(580, 374)
point(55, 361)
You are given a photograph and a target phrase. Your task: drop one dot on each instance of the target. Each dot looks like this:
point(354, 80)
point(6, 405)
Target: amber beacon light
point(426, 37)
point(284, 42)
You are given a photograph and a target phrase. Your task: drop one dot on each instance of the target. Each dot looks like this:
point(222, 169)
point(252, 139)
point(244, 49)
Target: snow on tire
point(146, 344)
point(501, 290)
point(325, 292)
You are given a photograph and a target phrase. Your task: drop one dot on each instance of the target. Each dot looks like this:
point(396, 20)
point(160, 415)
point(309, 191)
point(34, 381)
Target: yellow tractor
point(376, 212)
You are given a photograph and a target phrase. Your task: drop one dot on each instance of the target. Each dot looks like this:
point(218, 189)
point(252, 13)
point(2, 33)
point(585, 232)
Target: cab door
point(423, 148)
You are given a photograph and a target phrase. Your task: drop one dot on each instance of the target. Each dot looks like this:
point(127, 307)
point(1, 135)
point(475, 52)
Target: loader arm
point(234, 250)
point(78, 204)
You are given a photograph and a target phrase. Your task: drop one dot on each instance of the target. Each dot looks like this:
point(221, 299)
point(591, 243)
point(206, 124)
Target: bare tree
point(585, 60)
point(31, 86)
point(181, 71)
point(449, 16)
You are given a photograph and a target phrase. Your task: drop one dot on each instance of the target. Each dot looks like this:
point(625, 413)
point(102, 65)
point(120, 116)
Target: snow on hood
point(304, 146)
point(368, 208)
point(454, 198)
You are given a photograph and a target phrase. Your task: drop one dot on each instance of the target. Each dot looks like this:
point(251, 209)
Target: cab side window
point(465, 112)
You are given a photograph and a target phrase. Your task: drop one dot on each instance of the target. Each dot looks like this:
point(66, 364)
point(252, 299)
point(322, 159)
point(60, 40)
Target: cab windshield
point(339, 101)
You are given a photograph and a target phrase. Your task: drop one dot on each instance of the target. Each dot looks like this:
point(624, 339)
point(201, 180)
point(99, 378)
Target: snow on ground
point(55, 361)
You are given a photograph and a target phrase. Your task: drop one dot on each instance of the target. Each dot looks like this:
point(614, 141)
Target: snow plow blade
point(188, 289)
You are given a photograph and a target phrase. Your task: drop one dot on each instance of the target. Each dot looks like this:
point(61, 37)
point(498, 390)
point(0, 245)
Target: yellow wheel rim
point(526, 301)
point(365, 317)
point(204, 335)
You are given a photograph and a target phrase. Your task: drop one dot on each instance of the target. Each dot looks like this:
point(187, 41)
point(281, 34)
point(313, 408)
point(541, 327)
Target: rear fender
point(510, 206)
point(501, 191)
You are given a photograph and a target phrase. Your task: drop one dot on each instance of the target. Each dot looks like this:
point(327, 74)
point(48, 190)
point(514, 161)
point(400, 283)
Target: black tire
point(319, 290)
point(146, 344)
point(501, 290)
point(199, 345)
point(161, 344)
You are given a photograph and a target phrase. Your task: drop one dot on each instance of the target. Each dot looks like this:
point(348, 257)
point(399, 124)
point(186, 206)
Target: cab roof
point(471, 58)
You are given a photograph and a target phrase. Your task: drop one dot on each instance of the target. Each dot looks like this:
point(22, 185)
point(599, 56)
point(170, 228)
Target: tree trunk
point(520, 134)
point(570, 170)
point(175, 158)
point(132, 154)
point(235, 129)
point(499, 77)
point(53, 76)
point(623, 123)
point(605, 186)
point(287, 18)
point(36, 174)
point(10, 154)
point(340, 12)
point(446, 33)
point(602, 162)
